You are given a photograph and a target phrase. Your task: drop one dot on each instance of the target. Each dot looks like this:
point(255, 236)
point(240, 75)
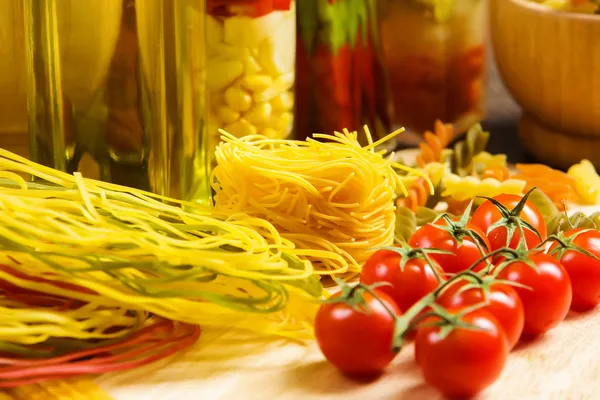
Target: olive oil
point(116, 91)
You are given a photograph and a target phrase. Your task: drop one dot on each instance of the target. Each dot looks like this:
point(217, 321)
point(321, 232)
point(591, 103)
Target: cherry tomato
point(357, 342)
point(547, 300)
point(504, 304)
point(466, 361)
point(463, 255)
point(408, 285)
point(583, 270)
point(487, 213)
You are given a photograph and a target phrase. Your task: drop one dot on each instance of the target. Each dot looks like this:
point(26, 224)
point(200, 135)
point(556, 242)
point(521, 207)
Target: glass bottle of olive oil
point(116, 91)
point(13, 108)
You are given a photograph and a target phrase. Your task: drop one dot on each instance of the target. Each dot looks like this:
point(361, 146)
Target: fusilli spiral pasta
point(463, 151)
point(466, 188)
point(544, 204)
point(560, 222)
point(500, 173)
point(418, 193)
point(486, 165)
point(457, 207)
point(425, 215)
point(406, 223)
point(435, 143)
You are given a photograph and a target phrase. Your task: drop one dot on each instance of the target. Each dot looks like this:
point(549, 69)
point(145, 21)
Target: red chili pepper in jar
point(249, 8)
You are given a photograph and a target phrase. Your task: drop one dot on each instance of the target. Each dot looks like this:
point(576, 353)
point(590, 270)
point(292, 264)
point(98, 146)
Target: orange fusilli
point(418, 193)
point(435, 142)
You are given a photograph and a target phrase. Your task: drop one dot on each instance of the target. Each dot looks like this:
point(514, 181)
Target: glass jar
point(13, 99)
point(341, 81)
point(250, 55)
point(111, 92)
point(436, 57)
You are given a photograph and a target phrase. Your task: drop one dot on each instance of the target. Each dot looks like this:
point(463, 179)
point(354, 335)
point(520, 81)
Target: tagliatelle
point(334, 199)
point(137, 250)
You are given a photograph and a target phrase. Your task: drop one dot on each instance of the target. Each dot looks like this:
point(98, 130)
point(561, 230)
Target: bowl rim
point(537, 7)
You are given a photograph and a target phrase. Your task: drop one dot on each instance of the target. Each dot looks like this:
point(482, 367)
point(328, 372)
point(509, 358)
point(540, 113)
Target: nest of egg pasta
point(330, 196)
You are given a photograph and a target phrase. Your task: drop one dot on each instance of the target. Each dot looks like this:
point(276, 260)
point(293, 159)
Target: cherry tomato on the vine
point(354, 341)
point(503, 303)
point(466, 361)
point(407, 285)
point(463, 255)
point(547, 298)
point(487, 214)
point(583, 270)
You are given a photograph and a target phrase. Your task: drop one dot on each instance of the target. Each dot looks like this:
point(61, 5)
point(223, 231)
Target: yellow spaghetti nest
point(332, 198)
point(132, 249)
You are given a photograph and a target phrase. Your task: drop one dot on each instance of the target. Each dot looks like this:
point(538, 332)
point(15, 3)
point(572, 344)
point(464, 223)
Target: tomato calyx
point(448, 322)
point(458, 229)
point(352, 296)
point(481, 281)
point(564, 244)
point(511, 219)
point(408, 253)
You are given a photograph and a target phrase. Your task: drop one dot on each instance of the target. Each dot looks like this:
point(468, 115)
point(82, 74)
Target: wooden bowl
point(550, 63)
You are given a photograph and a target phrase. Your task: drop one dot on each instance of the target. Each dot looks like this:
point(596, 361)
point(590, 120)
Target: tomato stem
point(408, 253)
point(567, 243)
point(352, 295)
point(503, 250)
point(370, 290)
point(458, 229)
point(511, 219)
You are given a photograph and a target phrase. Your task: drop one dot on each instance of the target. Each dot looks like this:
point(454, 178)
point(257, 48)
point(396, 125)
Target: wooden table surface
point(227, 365)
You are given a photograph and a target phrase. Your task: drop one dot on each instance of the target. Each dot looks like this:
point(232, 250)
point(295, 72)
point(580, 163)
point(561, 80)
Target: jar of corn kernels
point(250, 57)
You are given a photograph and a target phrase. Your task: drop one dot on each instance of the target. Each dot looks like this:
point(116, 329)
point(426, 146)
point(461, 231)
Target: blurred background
point(134, 92)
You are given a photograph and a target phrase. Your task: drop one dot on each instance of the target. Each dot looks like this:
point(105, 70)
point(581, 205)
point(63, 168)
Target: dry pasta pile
point(465, 171)
point(131, 250)
point(328, 195)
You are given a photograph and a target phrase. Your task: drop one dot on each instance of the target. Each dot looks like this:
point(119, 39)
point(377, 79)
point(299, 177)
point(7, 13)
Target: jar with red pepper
point(250, 56)
point(341, 81)
point(435, 52)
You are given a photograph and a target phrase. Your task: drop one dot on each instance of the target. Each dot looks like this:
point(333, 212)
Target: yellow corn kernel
point(259, 114)
point(220, 74)
point(227, 115)
point(238, 99)
point(257, 83)
point(283, 102)
point(251, 66)
point(280, 85)
point(282, 121)
point(240, 128)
